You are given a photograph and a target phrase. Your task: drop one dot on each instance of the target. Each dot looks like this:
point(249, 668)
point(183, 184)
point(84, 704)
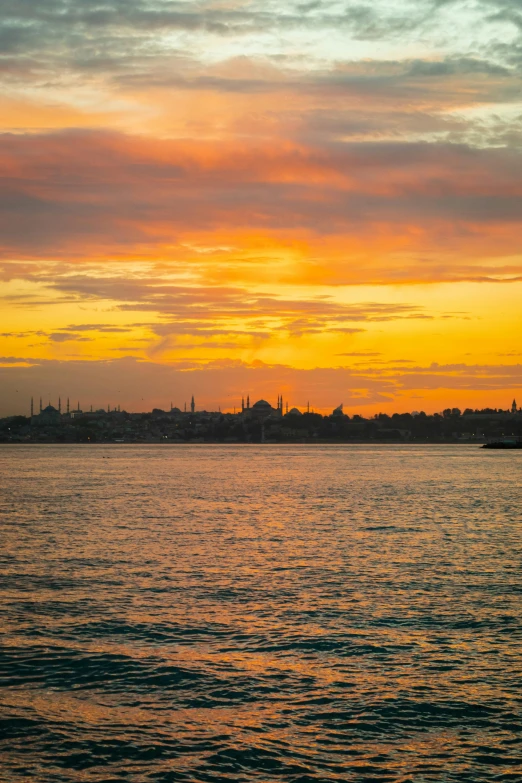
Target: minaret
point(514, 407)
point(78, 406)
point(185, 408)
point(40, 404)
point(192, 405)
point(242, 404)
point(287, 407)
point(308, 407)
point(248, 402)
point(32, 407)
point(68, 406)
point(60, 405)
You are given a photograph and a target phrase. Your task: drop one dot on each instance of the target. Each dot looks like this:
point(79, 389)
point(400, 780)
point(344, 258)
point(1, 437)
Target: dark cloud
point(360, 353)
point(19, 335)
point(62, 337)
point(124, 45)
point(118, 37)
point(101, 328)
point(112, 192)
point(365, 20)
point(215, 345)
point(8, 360)
point(68, 333)
point(180, 328)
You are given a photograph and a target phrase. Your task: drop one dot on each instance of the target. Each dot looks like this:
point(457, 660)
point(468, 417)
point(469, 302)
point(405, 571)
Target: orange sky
point(230, 198)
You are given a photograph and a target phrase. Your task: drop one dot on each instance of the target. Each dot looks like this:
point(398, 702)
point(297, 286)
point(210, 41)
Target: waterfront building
point(48, 415)
point(262, 409)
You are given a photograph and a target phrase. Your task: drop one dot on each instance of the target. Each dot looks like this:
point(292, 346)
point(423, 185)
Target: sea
point(260, 613)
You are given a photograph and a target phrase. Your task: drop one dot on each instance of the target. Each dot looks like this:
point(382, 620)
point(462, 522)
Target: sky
point(227, 197)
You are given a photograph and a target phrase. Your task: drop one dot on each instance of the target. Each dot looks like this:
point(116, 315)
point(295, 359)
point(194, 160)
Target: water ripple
point(303, 614)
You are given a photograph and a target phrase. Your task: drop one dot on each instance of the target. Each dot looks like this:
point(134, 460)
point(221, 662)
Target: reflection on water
point(296, 613)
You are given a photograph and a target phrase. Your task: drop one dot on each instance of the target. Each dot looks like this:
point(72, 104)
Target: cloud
point(216, 311)
point(22, 360)
point(139, 41)
point(100, 328)
point(360, 353)
point(64, 334)
point(192, 317)
point(437, 83)
point(87, 194)
point(139, 385)
point(18, 335)
point(62, 337)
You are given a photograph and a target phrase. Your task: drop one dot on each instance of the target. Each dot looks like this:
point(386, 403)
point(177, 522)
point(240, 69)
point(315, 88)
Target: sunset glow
point(215, 198)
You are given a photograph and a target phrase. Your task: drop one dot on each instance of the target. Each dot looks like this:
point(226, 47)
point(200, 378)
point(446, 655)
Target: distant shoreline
point(477, 443)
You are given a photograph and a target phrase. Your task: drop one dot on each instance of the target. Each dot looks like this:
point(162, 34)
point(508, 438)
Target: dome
point(49, 409)
point(261, 405)
point(295, 412)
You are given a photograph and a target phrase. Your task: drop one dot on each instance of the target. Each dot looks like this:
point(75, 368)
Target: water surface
point(260, 613)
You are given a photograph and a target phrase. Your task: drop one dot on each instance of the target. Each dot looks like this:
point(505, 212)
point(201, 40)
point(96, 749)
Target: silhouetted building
point(49, 415)
point(259, 423)
point(261, 410)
